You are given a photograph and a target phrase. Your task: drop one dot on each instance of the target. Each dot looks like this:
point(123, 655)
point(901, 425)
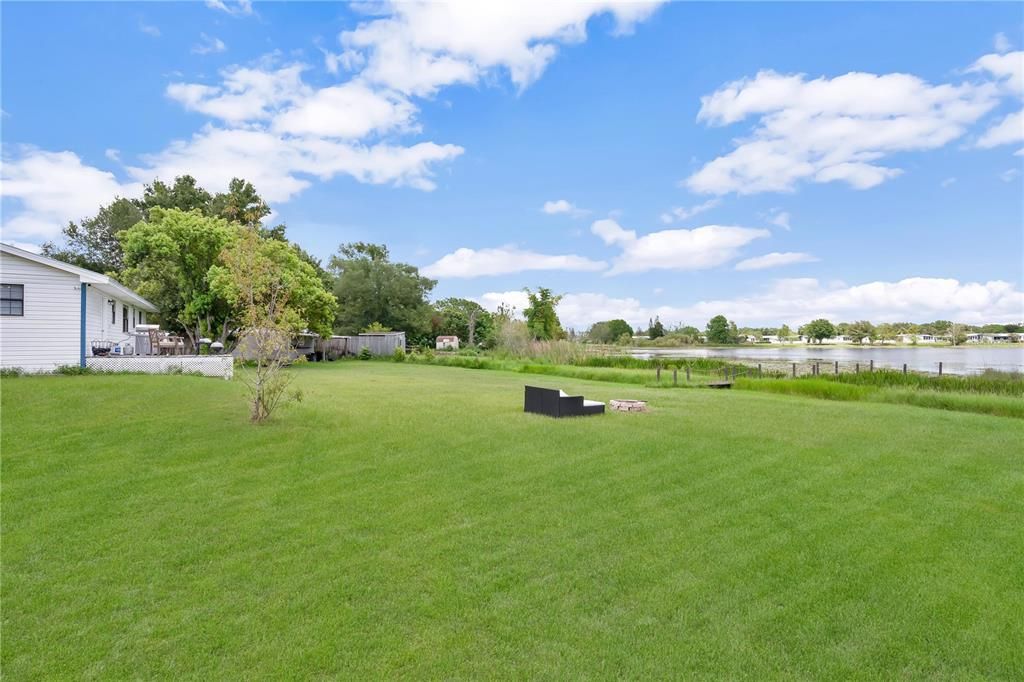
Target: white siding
point(98, 324)
point(48, 334)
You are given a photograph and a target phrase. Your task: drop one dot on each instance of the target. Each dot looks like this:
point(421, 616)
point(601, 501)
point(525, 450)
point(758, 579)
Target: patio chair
point(555, 403)
point(161, 343)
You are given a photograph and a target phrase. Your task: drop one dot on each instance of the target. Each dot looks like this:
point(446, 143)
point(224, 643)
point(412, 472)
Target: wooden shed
point(379, 343)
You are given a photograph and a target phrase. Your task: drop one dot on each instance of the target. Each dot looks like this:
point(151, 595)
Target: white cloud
point(561, 206)
point(350, 110)
point(774, 260)
point(781, 219)
point(796, 301)
point(1001, 43)
point(505, 260)
point(245, 94)
point(696, 249)
point(149, 29)
point(280, 167)
point(1009, 130)
point(238, 8)
point(682, 213)
point(113, 155)
point(1009, 174)
point(831, 129)
point(53, 188)
point(209, 45)
point(419, 47)
point(1007, 69)
point(26, 246)
point(947, 182)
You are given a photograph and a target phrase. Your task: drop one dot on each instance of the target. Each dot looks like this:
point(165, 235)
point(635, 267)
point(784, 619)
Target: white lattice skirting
point(208, 366)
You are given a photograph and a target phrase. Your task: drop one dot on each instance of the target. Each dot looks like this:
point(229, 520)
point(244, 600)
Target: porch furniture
point(162, 343)
point(554, 403)
point(101, 349)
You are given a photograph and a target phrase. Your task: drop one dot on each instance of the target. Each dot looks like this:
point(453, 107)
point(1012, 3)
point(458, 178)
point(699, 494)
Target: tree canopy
point(818, 329)
point(720, 330)
point(541, 318)
point(370, 288)
point(93, 243)
point(456, 316)
point(168, 260)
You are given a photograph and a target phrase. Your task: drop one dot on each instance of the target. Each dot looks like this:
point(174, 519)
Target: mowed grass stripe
point(410, 520)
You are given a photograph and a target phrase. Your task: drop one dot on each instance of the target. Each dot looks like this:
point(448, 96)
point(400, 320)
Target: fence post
point(687, 374)
point(759, 369)
point(675, 376)
point(794, 370)
point(856, 368)
point(904, 368)
point(658, 373)
point(837, 367)
point(872, 366)
point(940, 369)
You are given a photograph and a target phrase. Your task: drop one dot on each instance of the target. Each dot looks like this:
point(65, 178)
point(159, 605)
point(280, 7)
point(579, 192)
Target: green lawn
point(410, 521)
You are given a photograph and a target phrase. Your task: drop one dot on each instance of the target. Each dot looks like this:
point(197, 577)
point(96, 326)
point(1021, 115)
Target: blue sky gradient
point(611, 123)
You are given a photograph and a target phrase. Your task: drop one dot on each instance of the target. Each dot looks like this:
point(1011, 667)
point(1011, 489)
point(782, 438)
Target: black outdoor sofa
point(555, 403)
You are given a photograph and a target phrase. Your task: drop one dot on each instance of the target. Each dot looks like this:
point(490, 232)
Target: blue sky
point(773, 162)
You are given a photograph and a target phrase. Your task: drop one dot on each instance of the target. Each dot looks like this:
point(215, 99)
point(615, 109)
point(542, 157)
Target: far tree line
point(175, 245)
point(719, 330)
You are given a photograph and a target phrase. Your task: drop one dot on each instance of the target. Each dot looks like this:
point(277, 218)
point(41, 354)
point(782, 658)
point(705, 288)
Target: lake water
point(959, 360)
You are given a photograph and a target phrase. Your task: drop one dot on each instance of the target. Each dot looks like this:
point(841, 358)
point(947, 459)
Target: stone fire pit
point(623, 405)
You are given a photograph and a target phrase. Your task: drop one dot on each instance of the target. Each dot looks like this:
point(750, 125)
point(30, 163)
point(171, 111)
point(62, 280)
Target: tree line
point(719, 330)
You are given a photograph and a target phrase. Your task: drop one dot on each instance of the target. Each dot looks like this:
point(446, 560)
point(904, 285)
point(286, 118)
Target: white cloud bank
point(696, 249)
point(420, 47)
point(795, 301)
point(270, 126)
point(54, 187)
point(838, 129)
point(503, 261)
point(775, 260)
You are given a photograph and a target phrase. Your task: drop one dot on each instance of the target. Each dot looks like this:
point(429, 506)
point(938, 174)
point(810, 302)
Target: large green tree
point(464, 318)
point(720, 331)
point(818, 330)
point(656, 329)
point(309, 304)
point(92, 243)
point(541, 318)
point(370, 288)
point(609, 331)
point(168, 260)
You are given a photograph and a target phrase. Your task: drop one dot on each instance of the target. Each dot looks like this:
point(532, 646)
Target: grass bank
point(995, 393)
point(410, 521)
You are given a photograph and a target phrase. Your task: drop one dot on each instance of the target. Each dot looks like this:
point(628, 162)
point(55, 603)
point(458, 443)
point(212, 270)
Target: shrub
point(73, 370)
point(364, 353)
point(398, 355)
point(8, 372)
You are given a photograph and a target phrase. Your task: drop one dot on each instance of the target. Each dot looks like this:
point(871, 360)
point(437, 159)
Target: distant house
point(916, 338)
point(52, 313)
point(447, 343)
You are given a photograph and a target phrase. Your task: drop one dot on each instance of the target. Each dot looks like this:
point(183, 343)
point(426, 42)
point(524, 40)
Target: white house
point(52, 312)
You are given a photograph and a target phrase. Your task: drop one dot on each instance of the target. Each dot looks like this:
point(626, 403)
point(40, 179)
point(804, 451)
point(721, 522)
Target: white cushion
point(591, 403)
point(563, 394)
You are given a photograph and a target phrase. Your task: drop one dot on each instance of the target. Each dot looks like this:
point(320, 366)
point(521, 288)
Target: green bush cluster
point(364, 353)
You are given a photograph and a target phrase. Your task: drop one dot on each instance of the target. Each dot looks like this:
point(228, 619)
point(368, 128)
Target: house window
point(12, 299)
point(142, 319)
point(124, 319)
point(113, 312)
